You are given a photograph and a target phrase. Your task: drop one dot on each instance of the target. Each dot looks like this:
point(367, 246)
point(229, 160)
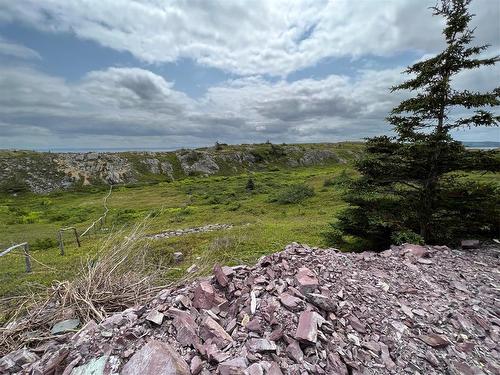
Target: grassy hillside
point(261, 224)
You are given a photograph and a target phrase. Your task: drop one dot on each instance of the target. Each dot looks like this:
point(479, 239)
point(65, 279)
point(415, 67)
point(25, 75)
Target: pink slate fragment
point(306, 280)
point(307, 329)
point(204, 296)
point(220, 276)
point(154, 358)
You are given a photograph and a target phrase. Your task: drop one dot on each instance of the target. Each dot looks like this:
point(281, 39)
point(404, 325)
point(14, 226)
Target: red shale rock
point(413, 309)
point(220, 276)
point(436, 341)
point(417, 251)
point(155, 358)
point(204, 296)
point(185, 326)
point(306, 280)
point(307, 329)
point(291, 302)
point(210, 329)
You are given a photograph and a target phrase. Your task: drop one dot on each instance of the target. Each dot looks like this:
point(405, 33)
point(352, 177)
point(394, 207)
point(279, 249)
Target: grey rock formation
point(43, 172)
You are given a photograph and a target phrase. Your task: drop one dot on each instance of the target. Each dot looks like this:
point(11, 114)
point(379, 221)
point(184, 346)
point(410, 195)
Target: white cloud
point(250, 37)
point(16, 50)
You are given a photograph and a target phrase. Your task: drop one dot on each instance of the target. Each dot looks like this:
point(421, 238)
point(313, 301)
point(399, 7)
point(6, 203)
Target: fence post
point(61, 243)
point(76, 236)
point(27, 257)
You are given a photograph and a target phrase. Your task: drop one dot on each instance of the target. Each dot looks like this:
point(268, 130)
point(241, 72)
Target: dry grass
point(117, 278)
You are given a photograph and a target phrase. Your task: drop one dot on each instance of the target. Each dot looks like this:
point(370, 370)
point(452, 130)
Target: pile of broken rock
point(408, 310)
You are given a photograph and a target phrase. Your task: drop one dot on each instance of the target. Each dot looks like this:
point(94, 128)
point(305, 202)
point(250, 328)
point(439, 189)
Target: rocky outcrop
point(315, 157)
point(93, 167)
point(194, 162)
point(43, 172)
point(183, 232)
point(408, 310)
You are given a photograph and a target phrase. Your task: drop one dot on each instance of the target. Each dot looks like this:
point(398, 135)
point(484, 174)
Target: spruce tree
point(409, 189)
point(250, 186)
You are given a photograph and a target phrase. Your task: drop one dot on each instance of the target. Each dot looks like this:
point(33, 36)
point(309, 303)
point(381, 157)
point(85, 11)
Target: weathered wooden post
point(61, 243)
point(76, 236)
point(25, 247)
point(27, 257)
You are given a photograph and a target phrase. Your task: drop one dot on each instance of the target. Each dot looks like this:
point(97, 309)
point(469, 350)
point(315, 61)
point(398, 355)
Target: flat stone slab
point(155, 317)
point(96, 366)
point(64, 326)
point(469, 244)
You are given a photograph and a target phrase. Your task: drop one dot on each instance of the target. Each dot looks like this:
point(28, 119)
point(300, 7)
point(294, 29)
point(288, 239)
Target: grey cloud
point(297, 109)
point(131, 106)
point(131, 103)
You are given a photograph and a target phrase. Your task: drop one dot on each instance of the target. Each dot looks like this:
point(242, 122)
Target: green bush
point(464, 209)
point(124, 216)
point(43, 243)
point(235, 206)
point(14, 185)
point(31, 217)
point(215, 200)
point(327, 182)
point(180, 214)
point(58, 216)
point(406, 236)
point(342, 180)
point(293, 194)
point(73, 216)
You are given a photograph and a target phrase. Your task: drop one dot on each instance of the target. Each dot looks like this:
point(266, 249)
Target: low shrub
point(124, 216)
point(31, 217)
point(58, 216)
point(43, 243)
point(342, 180)
point(14, 185)
point(235, 206)
point(293, 194)
point(406, 236)
point(250, 184)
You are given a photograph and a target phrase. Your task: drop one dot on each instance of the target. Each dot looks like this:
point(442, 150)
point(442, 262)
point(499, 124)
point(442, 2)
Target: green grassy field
point(261, 225)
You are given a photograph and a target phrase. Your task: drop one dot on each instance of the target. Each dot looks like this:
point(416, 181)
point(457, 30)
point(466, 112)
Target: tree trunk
point(427, 207)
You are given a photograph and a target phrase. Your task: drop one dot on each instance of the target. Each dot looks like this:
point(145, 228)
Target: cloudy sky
point(132, 74)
